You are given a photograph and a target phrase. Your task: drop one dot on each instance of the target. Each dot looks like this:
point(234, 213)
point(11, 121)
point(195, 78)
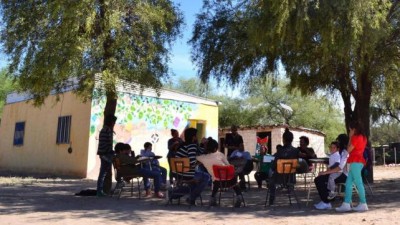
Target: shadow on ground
point(57, 196)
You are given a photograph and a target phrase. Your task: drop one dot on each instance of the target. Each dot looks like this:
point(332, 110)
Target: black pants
point(260, 177)
point(321, 183)
point(217, 185)
point(246, 170)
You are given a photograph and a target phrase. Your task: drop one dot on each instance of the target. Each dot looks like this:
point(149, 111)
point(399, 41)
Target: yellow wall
point(40, 153)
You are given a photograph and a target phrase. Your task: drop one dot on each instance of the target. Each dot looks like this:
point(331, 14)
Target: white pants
point(331, 181)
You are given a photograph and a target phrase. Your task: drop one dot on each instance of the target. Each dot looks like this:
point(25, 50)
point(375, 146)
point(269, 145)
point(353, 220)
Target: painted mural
point(144, 119)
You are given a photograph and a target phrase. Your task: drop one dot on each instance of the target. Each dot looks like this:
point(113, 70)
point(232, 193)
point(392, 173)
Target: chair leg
point(369, 187)
point(266, 198)
point(219, 198)
point(248, 181)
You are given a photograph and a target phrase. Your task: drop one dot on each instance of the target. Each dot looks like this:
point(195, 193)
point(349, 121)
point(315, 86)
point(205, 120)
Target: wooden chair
point(120, 176)
point(286, 177)
point(180, 186)
point(223, 176)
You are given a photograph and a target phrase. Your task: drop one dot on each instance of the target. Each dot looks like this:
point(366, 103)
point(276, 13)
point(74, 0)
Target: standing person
point(105, 152)
point(287, 151)
point(214, 157)
point(322, 179)
point(154, 165)
point(357, 144)
point(173, 144)
point(233, 140)
point(190, 150)
point(306, 153)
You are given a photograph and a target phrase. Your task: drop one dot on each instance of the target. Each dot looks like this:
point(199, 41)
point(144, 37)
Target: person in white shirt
point(214, 157)
point(334, 161)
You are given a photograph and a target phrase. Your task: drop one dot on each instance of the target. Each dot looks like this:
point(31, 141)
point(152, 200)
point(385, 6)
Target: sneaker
point(238, 202)
point(362, 207)
point(158, 195)
point(319, 204)
point(345, 207)
point(148, 194)
point(101, 194)
point(331, 195)
point(324, 206)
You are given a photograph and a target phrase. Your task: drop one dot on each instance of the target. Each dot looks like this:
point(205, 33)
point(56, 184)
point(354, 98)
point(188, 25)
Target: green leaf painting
point(135, 109)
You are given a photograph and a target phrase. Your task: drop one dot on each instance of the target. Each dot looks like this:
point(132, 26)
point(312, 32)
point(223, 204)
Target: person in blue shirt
point(243, 164)
point(153, 164)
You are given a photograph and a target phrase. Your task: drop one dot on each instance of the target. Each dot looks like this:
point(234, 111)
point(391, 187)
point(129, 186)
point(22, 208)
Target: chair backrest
point(180, 165)
point(224, 173)
point(286, 166)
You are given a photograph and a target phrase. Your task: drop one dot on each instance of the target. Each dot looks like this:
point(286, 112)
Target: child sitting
point(154, 165)
point(334, 161)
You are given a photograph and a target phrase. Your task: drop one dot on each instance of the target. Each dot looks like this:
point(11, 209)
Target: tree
point(347, 46)
point(55, 44)
point(260, 104)
point(313, 111)
point(6, 86)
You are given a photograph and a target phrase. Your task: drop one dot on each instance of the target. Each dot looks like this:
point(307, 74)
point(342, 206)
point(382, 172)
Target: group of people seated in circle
point(204, 155)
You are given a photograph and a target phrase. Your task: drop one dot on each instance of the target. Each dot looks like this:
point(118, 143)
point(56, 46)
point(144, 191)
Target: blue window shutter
point(19, 133)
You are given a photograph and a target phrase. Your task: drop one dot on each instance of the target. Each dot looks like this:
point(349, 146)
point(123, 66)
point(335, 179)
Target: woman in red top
point(356, 161)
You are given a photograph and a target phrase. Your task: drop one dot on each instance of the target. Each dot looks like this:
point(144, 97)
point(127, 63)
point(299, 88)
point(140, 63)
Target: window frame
point(63, 135)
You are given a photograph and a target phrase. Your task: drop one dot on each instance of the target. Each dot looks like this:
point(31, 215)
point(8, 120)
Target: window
point(64, 129)
point(19, 133)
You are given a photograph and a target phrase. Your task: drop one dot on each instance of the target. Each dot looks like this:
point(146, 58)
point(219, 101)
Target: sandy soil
point(52, 201)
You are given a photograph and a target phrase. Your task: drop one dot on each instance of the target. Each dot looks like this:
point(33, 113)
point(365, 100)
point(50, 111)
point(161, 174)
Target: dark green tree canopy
point(50, 42)
point(347, 46)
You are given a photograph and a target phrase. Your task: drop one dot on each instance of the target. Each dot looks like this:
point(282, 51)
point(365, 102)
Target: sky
point(181, 64)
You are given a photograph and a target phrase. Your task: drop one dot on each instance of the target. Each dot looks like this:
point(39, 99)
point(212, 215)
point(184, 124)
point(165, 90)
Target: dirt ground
point(52, 201)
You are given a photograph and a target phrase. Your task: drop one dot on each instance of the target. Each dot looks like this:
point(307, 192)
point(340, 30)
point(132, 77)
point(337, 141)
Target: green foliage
point(259, 104)
point(385, 133)
point(311, 111)
point(345, 46)
point(6, 86)
point(53, 44)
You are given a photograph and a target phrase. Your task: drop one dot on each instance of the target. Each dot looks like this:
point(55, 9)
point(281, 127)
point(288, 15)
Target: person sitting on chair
point(263, 168)
point(190, 149)
point(287, 151)
point(322, 178)
point(153, 164)
point(129, 165)
point(214, 157)
point(306, 154)
point(243, 163)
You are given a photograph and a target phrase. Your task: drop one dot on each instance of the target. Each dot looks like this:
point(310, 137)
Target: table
point(145, 159)
point(319, 164)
